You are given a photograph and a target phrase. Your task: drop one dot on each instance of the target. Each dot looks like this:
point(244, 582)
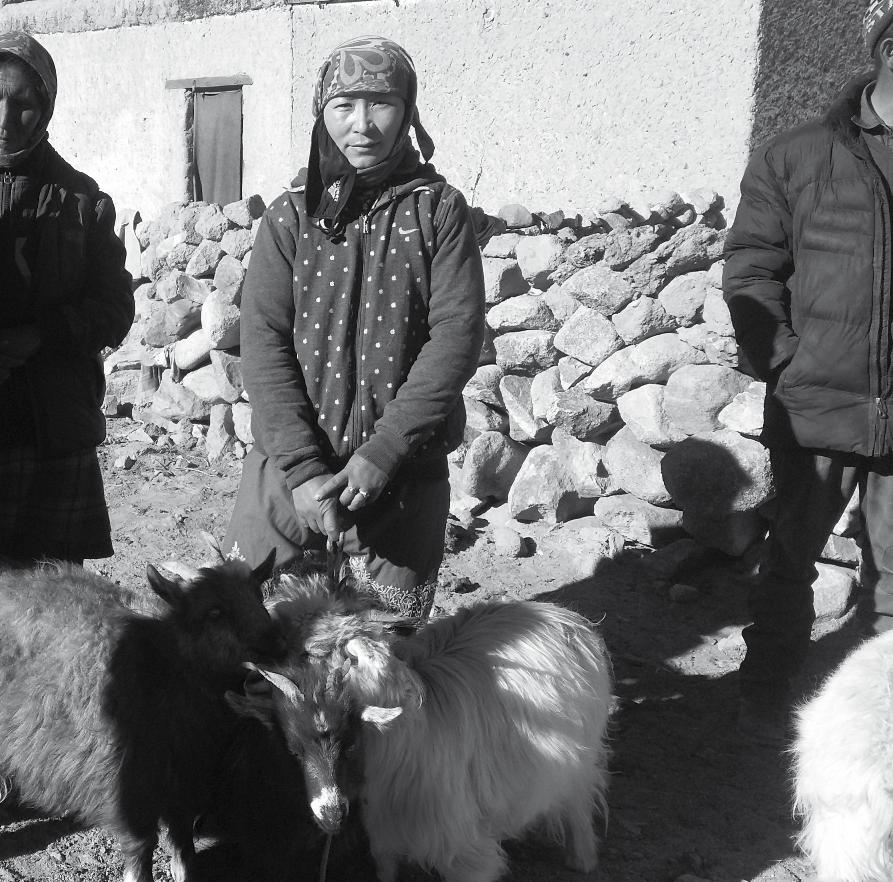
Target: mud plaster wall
point(116, 120)
point(551, 102)
point(807, 52)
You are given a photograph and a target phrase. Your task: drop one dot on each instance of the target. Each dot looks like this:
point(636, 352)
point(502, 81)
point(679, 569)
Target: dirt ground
point(688, 800)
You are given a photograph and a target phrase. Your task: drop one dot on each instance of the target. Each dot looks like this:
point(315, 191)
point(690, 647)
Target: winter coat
point(63, 270)
point(808, 284)
point(363, 343)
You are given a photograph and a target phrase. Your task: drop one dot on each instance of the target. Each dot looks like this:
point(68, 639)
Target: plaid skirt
point(52, 507)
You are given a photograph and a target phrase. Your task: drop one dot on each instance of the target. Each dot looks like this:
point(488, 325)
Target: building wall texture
point(553, 103)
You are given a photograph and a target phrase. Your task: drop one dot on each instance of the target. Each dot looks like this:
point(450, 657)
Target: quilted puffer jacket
point(807, 280)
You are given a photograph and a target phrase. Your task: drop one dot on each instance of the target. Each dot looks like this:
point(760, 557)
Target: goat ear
point(380, 717)
point(265, 570)
point(168, 590)
point(251, 706)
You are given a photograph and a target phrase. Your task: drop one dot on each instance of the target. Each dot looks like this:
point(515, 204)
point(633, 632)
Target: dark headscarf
point(27, 50)
point(361, 65)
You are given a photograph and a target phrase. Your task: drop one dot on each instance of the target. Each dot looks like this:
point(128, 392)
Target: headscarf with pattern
point(27, 50)
point(361, 65)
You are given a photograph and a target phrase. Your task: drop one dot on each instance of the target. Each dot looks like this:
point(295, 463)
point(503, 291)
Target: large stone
point(716, 314)
point(502, 279)
point(744, 413)
point(480, 417)
point(635, 468)
point(832, 591)
point(647, 275)
point(641, 319)
point(243, 211)
point(202, 382)
point(174, 401)
point(588, 336)
point(169, 218)
point(173, 322)
point(193, 351)
point(642, 409)
point(640, 521)
point(516, 216)
point(683, 297)
point(696, 393)
point(651, 361)
point(242, 422)
point(526, 312)
point(525, 352)
point(492, 463)
point(732, 533)
point(571, 370)
point(561, 304)
point(579, 414)
point(123, 386)
point(523, 426)
point(537, 257)
point(180, 286)
point(716, 473)
point(502, 245)
point(212, 223)
point(220, 320)
point(585, 462)
point(600, 289)
point(544, 489)
point(227, 367)
point(205, 259)
point(624, 247)
point(151, 265)
point(587, 250)
point(543, 391)
point(237, 243)
point(841, 550)
point(220, 437)
point(228, 278)
point(484, 386)
point(691, 248)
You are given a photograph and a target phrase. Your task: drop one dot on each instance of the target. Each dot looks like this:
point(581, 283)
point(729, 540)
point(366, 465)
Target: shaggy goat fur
point(843, 766)
point(478, 727)
point(117, 717)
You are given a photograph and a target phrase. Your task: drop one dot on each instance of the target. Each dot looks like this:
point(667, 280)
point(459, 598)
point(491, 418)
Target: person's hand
point(320, 515)
point(358, 484)
point(17, 345)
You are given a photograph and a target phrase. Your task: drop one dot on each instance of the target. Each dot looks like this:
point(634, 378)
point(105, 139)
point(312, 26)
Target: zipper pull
point(7, 177)
point(881, 408)
point(366, 224)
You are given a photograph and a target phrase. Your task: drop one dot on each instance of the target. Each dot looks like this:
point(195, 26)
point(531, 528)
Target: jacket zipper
point(6, 179)
point(883, 334)
point(356, 422)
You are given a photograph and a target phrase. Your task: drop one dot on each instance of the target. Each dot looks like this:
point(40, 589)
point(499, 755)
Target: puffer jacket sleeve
point(759, 262)
point(450, 356)
point(282, 417)
point(103, 315)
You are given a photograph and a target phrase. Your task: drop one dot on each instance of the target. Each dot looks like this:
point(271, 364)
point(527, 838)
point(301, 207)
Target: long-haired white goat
point(843, 765)
point(475, 729)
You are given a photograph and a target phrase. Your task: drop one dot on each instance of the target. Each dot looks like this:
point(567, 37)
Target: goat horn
point(280, 682)
point(213, 544)
point(184, 571)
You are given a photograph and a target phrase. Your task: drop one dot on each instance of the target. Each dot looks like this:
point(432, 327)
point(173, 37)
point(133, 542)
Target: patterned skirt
point(52, 507)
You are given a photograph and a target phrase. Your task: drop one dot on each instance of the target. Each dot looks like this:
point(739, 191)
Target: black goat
point(117, 716)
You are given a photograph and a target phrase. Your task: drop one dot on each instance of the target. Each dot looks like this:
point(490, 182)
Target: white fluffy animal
point(843, 765)
point(475, 729)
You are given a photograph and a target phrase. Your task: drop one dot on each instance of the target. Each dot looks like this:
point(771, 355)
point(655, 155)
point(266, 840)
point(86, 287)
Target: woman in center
point(362, 320)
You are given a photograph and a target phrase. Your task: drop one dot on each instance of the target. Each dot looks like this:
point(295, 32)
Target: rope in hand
point(324, 861)
point(334, 560)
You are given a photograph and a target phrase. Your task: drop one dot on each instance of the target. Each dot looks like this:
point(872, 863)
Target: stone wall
point(556, 103)
point(607, 402)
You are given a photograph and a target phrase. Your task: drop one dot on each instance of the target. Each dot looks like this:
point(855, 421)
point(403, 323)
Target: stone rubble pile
point(608, 404)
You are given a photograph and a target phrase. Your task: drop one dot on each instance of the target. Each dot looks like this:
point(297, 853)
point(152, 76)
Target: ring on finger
point(352, 490)
point(363, 493)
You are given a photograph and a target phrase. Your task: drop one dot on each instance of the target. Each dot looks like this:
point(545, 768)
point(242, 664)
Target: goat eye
point(214, 613)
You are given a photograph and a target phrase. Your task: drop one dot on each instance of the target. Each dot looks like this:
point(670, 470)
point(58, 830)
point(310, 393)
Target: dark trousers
point(812, 493)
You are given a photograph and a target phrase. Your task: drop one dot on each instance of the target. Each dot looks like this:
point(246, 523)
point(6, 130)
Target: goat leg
point(138, 855)
point(182, 848)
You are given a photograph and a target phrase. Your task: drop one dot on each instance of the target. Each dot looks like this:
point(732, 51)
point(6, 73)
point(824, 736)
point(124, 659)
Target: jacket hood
point(25, 48)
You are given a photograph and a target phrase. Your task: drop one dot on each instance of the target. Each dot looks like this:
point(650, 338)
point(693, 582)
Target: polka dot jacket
point(364, 343)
